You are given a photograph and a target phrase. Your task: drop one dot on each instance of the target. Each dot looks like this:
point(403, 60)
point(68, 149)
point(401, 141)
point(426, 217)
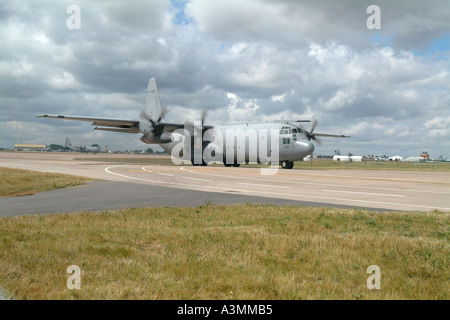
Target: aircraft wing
point(331, 135)
point(105, 122)
point(117, 125)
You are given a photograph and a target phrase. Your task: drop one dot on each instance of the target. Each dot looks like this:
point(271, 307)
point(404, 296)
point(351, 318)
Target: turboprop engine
point(158, 138)
point(153, 130)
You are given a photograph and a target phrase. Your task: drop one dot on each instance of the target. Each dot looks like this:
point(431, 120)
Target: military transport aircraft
point(68, 146)
point(279, 142)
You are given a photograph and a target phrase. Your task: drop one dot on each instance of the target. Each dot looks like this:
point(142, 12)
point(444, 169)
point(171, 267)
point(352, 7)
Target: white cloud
point(239, 60)
point(241, 110)
point(62, 81)
point(439, 126)
point(279, 98)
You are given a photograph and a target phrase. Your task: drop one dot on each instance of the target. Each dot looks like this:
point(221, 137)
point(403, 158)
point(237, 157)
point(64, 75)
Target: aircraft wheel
point(199, 164)
point(203, 164)
point(287, 164)
point(234, 164)
point(226, 164)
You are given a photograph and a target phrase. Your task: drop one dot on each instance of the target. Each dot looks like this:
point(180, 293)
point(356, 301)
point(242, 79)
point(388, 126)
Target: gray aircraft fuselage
point(245, 143)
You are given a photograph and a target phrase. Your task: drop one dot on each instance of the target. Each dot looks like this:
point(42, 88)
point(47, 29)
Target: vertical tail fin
point(153, 105)
point(68, 145)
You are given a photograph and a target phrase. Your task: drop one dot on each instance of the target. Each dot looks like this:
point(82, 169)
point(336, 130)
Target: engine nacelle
point(145, 126)
point(156, 138)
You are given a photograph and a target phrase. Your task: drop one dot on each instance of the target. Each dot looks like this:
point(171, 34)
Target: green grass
point(18, 182)
point(226, 252)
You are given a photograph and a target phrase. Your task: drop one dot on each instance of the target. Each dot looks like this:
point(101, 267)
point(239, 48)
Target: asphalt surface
point(102, 195)
point(128, 184)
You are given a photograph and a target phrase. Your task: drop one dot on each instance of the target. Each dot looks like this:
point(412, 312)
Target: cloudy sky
point(241, 61)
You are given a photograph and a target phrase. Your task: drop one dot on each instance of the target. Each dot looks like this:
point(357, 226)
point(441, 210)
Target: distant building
point(425, 155)
point(337, 157)
point(396, 158)
point(29, 147)
point(414, 159)
point(357, 158)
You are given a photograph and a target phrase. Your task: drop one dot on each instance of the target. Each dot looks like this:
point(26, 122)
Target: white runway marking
point(369, 193)
point(297, 196)
point(263, 185)
point(160, 173)
point(124, 176)
point(165, 174)
point(108, 170)
point(318, 184)
point(195, 179)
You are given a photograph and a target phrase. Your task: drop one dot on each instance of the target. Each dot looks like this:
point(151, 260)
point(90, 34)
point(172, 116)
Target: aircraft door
point(286, 143)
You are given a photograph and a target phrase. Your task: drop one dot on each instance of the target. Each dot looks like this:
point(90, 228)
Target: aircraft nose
point(303, 148)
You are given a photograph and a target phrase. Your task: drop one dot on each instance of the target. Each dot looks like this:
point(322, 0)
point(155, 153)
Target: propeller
point(202, 119)
point(204, 113)
point(310, 134)
point(156, 126)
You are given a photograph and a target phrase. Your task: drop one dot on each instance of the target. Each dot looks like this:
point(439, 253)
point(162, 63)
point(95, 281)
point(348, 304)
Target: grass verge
point(226, 252)
point(18, 182)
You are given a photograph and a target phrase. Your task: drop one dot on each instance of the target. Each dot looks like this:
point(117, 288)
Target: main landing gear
point(284, 164)
point(234, 164)
point(287, 164)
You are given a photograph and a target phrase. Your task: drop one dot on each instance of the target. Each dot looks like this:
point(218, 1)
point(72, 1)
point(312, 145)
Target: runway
point(380, 190)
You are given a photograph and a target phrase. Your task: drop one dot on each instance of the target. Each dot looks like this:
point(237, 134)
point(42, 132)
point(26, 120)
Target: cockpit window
point(289, 130)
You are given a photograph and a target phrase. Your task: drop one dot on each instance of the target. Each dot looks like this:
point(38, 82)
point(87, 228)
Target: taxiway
point(131, 184)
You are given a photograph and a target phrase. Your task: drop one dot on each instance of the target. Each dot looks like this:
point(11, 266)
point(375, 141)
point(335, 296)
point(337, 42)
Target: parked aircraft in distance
point(68, 146)
point(280, 142)
point(396, 158)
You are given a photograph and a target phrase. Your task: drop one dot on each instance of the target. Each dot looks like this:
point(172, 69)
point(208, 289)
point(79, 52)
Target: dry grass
point(18, 182)
point(226, 252)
